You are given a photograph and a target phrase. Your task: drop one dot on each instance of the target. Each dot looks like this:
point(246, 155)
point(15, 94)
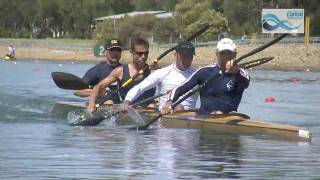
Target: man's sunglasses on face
point(141, 53)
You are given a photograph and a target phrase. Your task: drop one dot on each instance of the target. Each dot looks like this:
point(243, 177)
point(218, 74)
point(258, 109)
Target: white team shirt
point(164, 79)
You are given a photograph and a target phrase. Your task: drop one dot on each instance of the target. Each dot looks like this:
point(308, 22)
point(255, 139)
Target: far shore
point(287, 56)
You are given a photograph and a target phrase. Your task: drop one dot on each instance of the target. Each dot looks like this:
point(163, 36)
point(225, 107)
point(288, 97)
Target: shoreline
point(287, 56)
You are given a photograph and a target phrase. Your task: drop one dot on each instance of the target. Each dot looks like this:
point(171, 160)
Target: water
point(35, 145)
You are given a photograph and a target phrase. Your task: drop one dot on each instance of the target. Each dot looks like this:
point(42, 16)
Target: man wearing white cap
point(223, 93)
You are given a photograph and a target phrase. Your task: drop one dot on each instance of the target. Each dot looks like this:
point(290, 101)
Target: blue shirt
point(97, 73)
point(222, 93)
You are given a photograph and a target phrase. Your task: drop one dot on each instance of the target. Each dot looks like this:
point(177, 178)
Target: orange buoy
point(269, 99)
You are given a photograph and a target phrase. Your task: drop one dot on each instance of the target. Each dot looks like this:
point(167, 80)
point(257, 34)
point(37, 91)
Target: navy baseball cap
point(186, 47)
point(113, 43)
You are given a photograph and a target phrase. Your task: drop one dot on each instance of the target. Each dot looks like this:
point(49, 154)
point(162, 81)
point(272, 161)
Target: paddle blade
point(85, 118)
point(68, 81)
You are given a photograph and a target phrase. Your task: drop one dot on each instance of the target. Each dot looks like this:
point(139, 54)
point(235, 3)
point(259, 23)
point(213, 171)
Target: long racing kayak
point(235, 123)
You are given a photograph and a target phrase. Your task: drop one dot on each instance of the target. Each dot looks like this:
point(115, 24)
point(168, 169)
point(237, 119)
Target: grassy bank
point(287, 56)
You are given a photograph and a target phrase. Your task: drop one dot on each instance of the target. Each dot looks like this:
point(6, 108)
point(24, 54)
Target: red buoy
point(295, 80)
point(36, 69)
point(269, 99)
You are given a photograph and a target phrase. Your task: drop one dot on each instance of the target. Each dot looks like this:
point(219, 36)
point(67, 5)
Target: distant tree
point(104, 31)
point(125, 28)
point(73, 18)
point(190, 15)
point(243, 16)
point(119, 6)
point(165, 31)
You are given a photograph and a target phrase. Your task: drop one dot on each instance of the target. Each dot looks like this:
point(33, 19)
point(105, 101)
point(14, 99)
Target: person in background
point(168, 78)
point(224, 92)
point(139, 50)
point(113, 51)
point(10, 53)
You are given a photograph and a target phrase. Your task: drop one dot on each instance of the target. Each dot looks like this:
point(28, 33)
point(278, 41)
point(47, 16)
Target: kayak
point(7, 58)
point(235, 123)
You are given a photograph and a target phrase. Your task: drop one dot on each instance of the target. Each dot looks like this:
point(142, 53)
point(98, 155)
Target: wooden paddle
point(254, 51)
point(68, 81)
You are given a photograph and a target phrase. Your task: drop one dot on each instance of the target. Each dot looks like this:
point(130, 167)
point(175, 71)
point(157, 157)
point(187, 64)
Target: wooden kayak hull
point(231, 123)
point(235, 123)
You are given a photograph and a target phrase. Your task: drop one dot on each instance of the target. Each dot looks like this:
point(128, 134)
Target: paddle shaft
point(254, 51)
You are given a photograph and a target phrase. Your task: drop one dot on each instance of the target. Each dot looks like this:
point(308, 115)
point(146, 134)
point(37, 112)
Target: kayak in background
point(7, 58)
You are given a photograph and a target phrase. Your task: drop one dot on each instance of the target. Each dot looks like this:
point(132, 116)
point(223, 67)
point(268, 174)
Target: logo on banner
point(283, 21)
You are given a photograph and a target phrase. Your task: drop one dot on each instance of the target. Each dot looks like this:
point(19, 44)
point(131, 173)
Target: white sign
point(282, 20)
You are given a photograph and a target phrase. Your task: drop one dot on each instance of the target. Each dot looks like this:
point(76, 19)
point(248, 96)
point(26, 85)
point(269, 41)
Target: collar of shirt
point(189, 70)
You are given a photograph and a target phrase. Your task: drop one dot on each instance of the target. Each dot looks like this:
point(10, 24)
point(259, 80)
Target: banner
point(282, 21)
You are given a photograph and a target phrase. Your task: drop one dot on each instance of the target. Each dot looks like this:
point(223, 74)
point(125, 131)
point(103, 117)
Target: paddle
point(254, 51)
point(68, 81)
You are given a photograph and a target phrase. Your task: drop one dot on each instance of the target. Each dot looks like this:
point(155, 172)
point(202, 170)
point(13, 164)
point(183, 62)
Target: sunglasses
point(141, 53)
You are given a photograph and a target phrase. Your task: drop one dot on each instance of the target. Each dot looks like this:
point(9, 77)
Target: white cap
point(226, 44)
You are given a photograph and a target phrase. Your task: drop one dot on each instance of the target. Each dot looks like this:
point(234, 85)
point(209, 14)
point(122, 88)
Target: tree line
point(75, 18)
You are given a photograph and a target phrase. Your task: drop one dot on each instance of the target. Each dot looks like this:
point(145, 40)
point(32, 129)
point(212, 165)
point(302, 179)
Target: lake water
point(36, 145)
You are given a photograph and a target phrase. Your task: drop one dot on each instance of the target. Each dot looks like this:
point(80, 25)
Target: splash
point(116, 115)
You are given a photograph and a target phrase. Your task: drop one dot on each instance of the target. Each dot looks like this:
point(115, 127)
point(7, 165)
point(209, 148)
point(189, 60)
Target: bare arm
point(83, 93)
point(113, 77)
point(87, 92)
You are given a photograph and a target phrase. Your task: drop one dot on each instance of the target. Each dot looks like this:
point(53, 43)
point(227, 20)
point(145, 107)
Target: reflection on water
point(35, 145)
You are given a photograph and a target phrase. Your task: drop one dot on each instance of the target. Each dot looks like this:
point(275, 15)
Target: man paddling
point(139, 51)
point(223, 93)
point(10, 55)
point(169, 77)
point(94, 75)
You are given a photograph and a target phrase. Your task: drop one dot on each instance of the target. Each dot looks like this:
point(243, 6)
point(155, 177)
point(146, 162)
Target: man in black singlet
point(94, 75)
point(139, 51)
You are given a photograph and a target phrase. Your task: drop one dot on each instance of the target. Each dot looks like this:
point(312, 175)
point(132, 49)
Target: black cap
point(113, 43)
point(186, 47)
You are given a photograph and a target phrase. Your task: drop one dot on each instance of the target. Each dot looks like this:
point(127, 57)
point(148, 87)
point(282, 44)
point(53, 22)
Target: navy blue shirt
point(97, 73)
point(222, 93)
